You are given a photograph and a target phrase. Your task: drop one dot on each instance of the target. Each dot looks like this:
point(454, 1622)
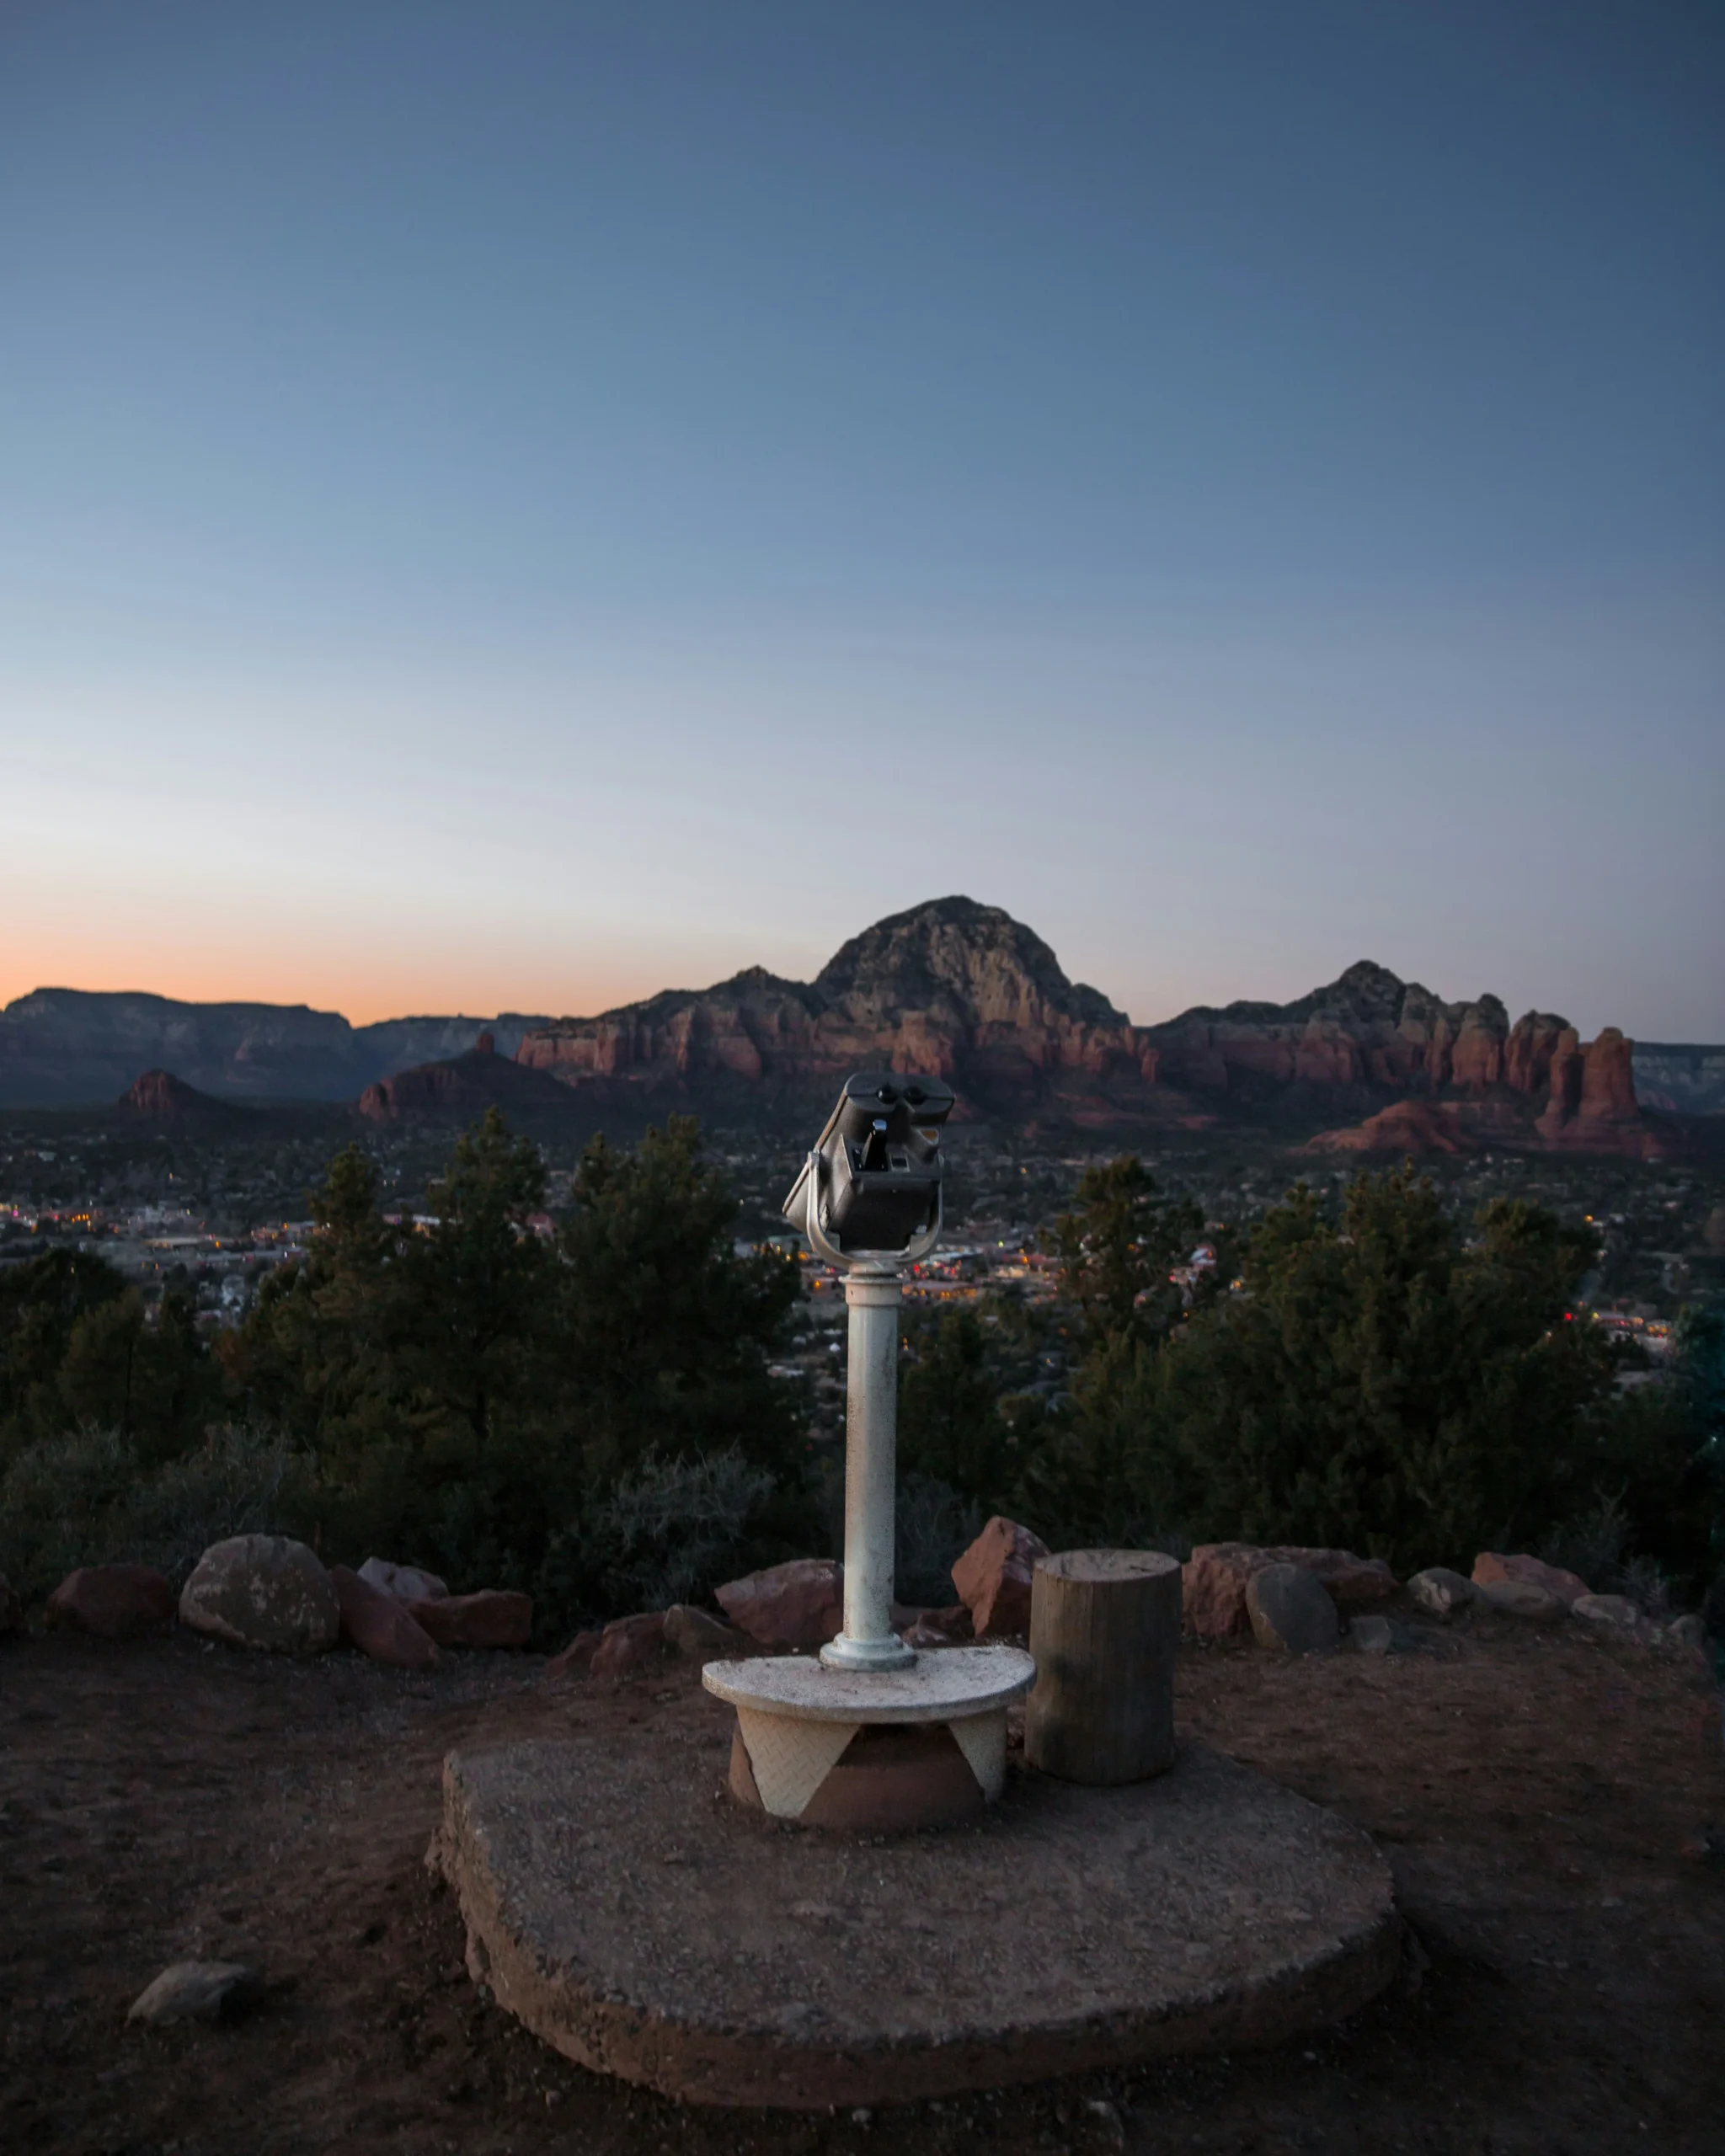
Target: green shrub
point(672, 1529)
point(935, 1524)
point(88, 1497)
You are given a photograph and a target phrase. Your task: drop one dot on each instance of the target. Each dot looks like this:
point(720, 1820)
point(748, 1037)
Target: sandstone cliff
point(1589, 1106)
point(964, 991)
point(951, 987)
point(1368, 1030)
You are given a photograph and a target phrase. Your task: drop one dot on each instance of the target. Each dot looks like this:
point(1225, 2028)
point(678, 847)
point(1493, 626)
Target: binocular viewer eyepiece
point(873, 1182)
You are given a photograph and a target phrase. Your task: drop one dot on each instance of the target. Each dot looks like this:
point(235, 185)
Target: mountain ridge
point(952, 985)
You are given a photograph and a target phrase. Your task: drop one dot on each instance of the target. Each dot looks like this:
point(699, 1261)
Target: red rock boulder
point(627, 1642)
point(267, 1592)
point(1214, 1581)
point(994, 1575)
point(112, 1602)
point(1492, 1569)
point(380, 1624)
point(495, 1617)
point(406, 1582)
point(701, 1637)
point(793, 1608)
point(576, 1659)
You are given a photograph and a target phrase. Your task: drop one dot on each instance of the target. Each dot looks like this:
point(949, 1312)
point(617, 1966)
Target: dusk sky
point(515, 507)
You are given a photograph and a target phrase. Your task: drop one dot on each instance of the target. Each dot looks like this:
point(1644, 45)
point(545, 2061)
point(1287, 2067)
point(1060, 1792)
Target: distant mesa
point(64, 1047)
point(1680, 1077)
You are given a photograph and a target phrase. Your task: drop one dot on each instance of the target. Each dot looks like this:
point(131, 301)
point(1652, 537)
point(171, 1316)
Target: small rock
point(1291, 1612)
point(1688, 1632)
point(1492, 1568)
point(380, 1625)
point(494, 1617)
point(576, 1658)
point(1106, 2129)
point(1522, 1598)
point(628, 1641)
point(11, 1607)
point(264, 1591)
point(794, 1606)
point(406, 1582)
point(691, 1632)
point(1441, 1593)
point(995, 1575)
point(1606, 1609)
point(195, 1991)
point(1373, 1635)
point(112, 1602)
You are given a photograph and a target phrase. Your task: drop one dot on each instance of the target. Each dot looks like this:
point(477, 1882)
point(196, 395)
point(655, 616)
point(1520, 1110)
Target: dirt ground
point(1543, 1798)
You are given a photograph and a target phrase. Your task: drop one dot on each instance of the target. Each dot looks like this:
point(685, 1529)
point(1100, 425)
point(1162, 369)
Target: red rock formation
point(464, 1087)
point(159, 1097)
point(1527, 1056)
point(953, 987)
point(1608, 1081)
point(1406, 1126)
point(964, 991)
point(1592, 1106)
point(1366, 1029)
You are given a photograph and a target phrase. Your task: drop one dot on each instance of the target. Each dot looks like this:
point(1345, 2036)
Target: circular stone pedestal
point(876, 1750)
point(627, 1912)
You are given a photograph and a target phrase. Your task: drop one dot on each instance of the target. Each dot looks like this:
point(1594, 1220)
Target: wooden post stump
point(1104, 1628)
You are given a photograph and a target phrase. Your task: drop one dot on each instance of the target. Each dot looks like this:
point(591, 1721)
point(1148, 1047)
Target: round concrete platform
point(804, 1748)
point(941, 1686)
point(630, 1915)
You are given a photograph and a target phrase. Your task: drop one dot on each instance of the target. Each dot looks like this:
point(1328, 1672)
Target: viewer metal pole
point(874, 1290)
point(871, 1475)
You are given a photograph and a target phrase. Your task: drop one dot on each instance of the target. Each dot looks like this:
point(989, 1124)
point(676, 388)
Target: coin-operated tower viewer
point(869, 1199)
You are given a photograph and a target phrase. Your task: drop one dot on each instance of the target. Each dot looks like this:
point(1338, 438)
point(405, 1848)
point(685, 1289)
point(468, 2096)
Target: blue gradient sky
point(521, 506)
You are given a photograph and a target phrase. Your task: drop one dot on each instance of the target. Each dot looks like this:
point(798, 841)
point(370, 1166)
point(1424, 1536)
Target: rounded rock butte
point(632, 1916)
